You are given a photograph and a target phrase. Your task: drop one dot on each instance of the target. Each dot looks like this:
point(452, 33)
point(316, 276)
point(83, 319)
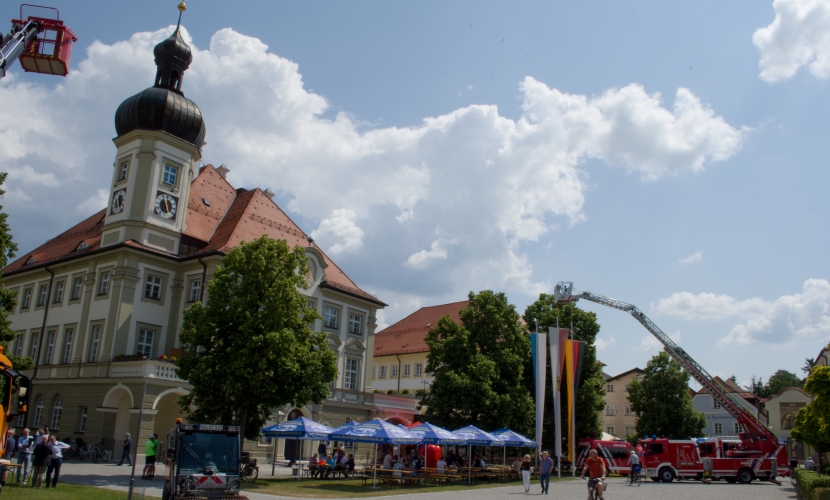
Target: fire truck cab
point(614, 453)
point(669, 459)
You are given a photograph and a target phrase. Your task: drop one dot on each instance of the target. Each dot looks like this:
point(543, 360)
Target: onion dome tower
point(160, 134)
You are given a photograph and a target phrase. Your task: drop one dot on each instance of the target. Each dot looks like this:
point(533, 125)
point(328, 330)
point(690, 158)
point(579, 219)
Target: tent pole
point(274, 458)
point(375, 467)
point(470, 466)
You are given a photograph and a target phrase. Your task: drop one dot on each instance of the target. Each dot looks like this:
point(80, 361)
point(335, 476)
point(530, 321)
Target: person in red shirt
point(595, 468)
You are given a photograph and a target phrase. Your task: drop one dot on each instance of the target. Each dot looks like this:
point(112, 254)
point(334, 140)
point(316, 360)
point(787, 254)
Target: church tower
point(160, 134)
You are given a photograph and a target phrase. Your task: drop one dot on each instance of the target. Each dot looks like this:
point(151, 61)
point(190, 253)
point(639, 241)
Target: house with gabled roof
point(719, 423)
point(100, 305)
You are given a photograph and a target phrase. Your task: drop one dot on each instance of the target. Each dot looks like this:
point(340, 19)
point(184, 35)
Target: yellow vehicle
point(8, 379)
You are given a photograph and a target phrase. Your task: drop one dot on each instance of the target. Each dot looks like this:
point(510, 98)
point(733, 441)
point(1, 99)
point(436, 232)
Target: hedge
point(814, 486)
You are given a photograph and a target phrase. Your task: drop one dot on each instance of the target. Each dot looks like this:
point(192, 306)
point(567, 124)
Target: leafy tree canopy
point(812, 424)
point(590, 399)
point(250, 348)
point(779, 381)
point(478, 367)
point(8, 298)
point(662, 402)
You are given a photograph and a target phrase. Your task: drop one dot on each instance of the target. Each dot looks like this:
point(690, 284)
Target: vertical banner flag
point(539, 351)
point(574, 352)
point(558, 340)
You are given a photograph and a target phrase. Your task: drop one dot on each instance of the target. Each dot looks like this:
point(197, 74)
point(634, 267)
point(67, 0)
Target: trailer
point(760, 455)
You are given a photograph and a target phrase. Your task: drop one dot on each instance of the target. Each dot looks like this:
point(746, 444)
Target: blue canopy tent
point(474, 436)
point(299, 428)
point(375, 431)
point(514, 439)
point(432, 434)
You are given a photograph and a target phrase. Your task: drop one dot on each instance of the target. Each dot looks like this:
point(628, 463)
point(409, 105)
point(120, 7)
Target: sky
point(670, 155)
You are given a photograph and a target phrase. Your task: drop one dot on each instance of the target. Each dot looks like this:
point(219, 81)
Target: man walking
point(126, 448)
point(25, 443)
point(545, 466)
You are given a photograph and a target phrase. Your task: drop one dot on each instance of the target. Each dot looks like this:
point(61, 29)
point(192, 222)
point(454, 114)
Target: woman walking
point(526, 468)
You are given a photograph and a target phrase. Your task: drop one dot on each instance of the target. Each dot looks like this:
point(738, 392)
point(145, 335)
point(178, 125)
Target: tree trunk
point(242, 417)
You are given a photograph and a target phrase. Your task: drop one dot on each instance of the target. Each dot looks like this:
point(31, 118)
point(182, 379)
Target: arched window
point(56, 413)
point(39, 412)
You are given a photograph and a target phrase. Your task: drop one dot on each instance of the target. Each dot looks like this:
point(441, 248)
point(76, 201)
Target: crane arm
point(15, 43)
point(564, 293)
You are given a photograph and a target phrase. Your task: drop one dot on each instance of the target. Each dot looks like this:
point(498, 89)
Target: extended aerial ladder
point(757, 441)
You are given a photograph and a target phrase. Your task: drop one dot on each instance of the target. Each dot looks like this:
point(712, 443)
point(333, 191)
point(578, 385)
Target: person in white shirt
point(387, 461)
point(25, 444)
point(634, 463)
point(441, 466)
point(55, 460)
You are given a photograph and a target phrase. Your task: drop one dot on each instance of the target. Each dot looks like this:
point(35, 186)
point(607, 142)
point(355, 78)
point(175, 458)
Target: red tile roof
point(230, 217)
point(407, 335)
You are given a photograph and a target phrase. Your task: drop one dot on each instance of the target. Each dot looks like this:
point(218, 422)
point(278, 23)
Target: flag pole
point(572, 423)
point(556, 403)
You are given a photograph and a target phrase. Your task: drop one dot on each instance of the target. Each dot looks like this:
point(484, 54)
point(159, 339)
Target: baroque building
point(100, 305)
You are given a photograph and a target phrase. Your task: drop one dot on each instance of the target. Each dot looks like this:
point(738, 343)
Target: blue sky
point(673, 156)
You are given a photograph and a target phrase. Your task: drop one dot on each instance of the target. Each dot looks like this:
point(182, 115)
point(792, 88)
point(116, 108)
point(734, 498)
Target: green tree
point(662, 402)
point(8, 298)
point(812, 424)
point(781, 380)
point(757, 387)
point(478, 367)
point(590, 399)
point(250, 348)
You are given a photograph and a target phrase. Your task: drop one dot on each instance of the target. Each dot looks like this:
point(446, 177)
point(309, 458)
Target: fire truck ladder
point(755, 429)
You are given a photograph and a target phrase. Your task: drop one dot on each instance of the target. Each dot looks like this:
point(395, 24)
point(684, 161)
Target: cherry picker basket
point(50, 51)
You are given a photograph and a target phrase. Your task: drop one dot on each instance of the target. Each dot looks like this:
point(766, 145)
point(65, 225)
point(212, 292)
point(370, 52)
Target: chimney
point(223, 170)
point(268, 193)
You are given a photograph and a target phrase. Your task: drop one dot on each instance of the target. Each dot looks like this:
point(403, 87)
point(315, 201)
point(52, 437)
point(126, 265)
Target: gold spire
point(182, 7)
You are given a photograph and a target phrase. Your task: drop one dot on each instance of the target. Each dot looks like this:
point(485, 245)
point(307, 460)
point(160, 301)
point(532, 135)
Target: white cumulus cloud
point(695, 257)
point(798, 36)
point(803, 316)
point(377, 196)
point(602, 343)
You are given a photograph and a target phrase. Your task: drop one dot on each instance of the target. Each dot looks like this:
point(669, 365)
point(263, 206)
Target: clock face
point(166, 205)
point(118, 198)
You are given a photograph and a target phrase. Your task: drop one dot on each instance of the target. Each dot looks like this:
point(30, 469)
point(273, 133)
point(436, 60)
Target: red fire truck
point(758, 456)
point(615, 453)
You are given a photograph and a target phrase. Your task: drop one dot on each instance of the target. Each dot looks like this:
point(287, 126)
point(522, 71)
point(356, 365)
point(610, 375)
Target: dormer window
point(82, 245)
point(170, 175)
point(31, 260)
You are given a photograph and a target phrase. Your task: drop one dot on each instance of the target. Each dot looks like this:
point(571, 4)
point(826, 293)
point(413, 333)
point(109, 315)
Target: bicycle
point(98, 453)
point(249, 469)
point(593, 492)
point(635, 476)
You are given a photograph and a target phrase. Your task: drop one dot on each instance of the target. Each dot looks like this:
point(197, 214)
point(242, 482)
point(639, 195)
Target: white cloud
point(798, 36)
point(649, 343)
point(603, 343)
point(804, 316)
point(490, 183)
point(339, 233)
point(695, 257)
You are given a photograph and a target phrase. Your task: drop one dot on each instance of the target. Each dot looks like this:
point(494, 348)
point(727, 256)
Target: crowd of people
point(328, 463)
point(37, 456)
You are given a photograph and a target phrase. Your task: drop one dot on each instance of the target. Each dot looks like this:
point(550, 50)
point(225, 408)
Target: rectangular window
point(330, 317)
point(382, 371)
point(50, 347)
point(393, 371)
point(611, 430)
point(105, 284)
point(738, 428)
point(351, 374)
point(122, 174)
point(355, 323)
point(145, 342)
point(77, 286)
point(628, 411)
point(33, 349)
point(27, 299)
point(58, 293)
point(153, 288)
point(67, 345)
point(41, 300)
point(94, 344)
point(195, 290)
point(405, 369)
point(718, 428)
point(630, 430)
point(18, 348)
point(715, 404)
point(419, 369)
point(609, 388)
point(82, 419)
point(610, 410)
point(56, 413)
point(170, 174)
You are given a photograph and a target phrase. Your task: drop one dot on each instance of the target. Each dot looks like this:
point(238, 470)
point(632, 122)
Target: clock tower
point(160, 136)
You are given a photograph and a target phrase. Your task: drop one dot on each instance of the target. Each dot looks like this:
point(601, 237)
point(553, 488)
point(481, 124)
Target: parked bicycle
point(98, 453)
point(249, 469)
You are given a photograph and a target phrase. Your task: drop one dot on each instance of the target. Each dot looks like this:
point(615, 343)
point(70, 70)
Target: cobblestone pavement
point(113, 477)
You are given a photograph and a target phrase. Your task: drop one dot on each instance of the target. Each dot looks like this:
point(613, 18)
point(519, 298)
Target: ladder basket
point(49, 53)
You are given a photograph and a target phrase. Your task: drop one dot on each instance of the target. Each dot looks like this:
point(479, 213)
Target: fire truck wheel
point(745, 476)
point(666, 475)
